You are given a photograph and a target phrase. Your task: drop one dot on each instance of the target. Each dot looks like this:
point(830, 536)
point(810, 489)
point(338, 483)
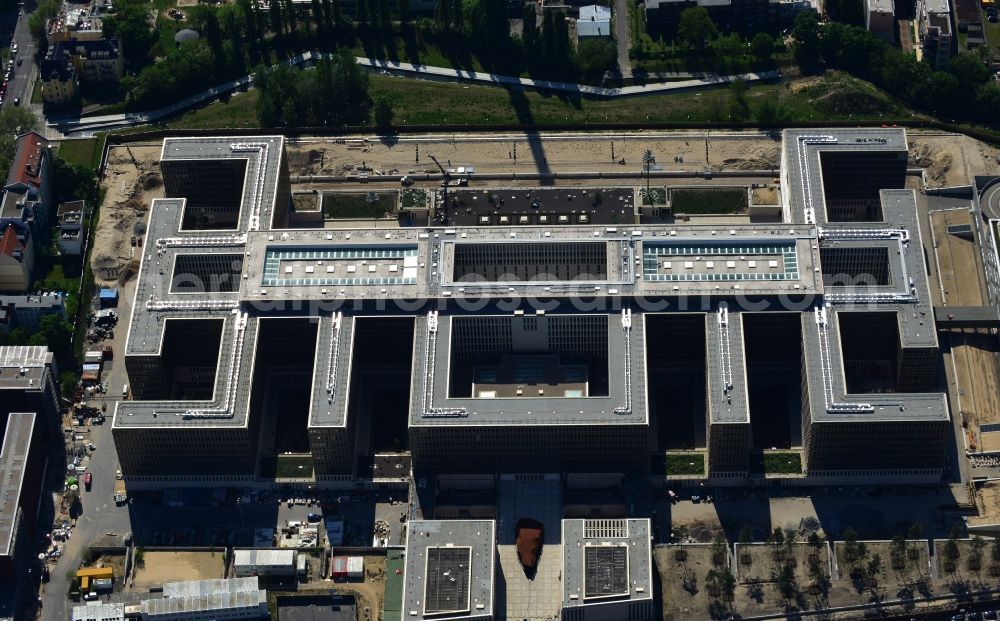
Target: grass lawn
point(992, 32)
point(83, 151)
point(686, 463)
point(433, 103)
point(36, 92)
point(413, 198)
point(287, 467)
point(708, 201)
point(776, 463)
point(351, 205)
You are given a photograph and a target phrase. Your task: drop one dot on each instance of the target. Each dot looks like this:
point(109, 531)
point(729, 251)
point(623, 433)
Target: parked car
point(88, 479)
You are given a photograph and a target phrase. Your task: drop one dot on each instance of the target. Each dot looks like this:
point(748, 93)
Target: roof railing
point(809, 209)
point(258, 181)
point(826, 368)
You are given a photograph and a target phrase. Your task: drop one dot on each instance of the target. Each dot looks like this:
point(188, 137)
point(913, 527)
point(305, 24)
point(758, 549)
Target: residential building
point(29, 192)
point(934, 25)
point(72, 227)
point(729, 14)
point(73, 60)
point(96, 61)
point(60, 83)
point(17, 257)
point(26, 311)
point(594, 21)
point(880, 19)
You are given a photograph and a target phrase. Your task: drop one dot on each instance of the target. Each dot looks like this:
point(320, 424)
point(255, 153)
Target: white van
point(125, 390)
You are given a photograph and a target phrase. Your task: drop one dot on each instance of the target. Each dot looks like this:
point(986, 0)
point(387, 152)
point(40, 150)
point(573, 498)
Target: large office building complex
point(495, 347)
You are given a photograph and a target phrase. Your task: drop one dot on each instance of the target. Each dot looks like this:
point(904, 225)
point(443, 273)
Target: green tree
point(44, 11)
point(720, 551)
point(696, 27)
point(14, 120)
point(276, 18)
point(442, 14)
point(740, 108)
point(807, 40)
point(131, 24)
point(55, 332)
point(595, 57)
point(529, 30)
point(762, 47)
point(383, 112)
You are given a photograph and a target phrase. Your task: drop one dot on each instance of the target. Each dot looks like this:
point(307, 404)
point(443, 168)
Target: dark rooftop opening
point(852, 181)
point(281, 391)
point(869, 343)
point(605, 570)
point(206, 273)
point(534, 356)
point(773, 351)
point(448, 579)
point(675, 377)
point(859, 266)
point(381, 363)
point(190, 359)
point(537, 261)
point(213, 189)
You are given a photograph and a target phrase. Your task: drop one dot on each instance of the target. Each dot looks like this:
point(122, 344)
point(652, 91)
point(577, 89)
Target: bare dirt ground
point(370, 593)
point(131, 181)
point(682, 572)
point(963, 573)
point(759, 566)
point(978, 371)
point(951, 159)
point(160, 567)
point(988, 505)
point(899, 576)
point(593, 152)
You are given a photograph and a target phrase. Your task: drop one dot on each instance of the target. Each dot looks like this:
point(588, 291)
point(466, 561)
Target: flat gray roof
point(13, 460)
point(338, 275)
point(726, 368)
point(801, 171)
point(625, 403)
point(606, 561)
point(23, 367)
point(435, 553)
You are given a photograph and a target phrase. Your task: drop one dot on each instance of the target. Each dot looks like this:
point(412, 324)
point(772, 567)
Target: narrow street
point(621, 36)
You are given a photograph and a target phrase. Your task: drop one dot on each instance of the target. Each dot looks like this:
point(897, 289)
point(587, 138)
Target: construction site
point(603, 325)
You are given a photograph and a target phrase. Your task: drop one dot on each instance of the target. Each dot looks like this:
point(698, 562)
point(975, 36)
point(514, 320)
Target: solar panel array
point(447, 584)
point(605, 571)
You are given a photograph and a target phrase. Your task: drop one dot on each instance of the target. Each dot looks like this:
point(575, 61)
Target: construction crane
point(444, 189)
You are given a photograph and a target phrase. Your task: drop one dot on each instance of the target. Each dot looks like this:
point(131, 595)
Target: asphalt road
point(621, 36)
point(23, 80)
